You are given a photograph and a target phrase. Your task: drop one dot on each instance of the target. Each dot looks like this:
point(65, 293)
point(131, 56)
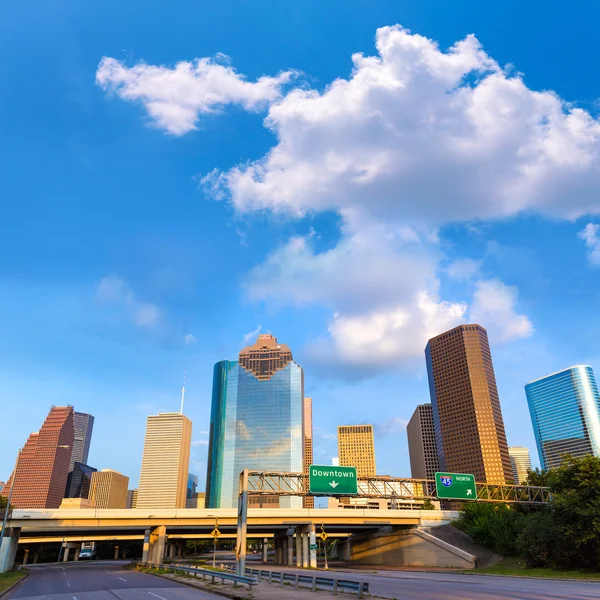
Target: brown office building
point(356, 448)
point(469, 429)
point(424, 461)
point(308, 501)
point(108, 489)
point(42, 467)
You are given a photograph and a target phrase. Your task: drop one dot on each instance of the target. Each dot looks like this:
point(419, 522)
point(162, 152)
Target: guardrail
point(312, 582)
point(205, 573)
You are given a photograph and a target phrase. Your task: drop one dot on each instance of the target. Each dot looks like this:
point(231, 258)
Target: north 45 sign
point(455, 486)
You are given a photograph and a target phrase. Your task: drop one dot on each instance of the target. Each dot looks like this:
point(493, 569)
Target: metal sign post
point(215, 533)
point(324, 537)
point(242, 524)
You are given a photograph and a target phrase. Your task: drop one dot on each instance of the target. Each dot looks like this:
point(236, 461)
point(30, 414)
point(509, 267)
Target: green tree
point(2, 502)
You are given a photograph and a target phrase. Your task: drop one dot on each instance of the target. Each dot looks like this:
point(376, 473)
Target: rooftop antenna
point(183, 392)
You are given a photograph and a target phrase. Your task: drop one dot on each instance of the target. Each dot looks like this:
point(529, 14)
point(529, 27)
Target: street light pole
point(10, 493)
point(215, 545)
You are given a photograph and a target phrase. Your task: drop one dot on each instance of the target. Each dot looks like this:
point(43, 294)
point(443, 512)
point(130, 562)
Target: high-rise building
point(424, 461)
point(132, 498)
point(356, 448)
point(192, 486)
point(256, 420)
point(520, 462)
point(84, 424)
point(42, 467)
point(108, 489)
point(308, 501)
point(165, 462)
point(469, 429)
point(565, 412)
point(78, 481)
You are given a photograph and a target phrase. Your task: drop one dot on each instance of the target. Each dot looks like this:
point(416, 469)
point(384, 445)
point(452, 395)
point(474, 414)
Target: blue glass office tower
point(256, 420)
point(565, 412)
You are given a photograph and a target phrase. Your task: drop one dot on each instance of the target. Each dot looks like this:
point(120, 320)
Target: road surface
point(97, 581)
point(420, 585)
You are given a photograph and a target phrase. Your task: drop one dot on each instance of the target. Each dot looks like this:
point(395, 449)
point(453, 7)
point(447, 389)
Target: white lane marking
point(74, 597)
point(122, 579)
point(68, 583)
point(157, 596)
point(105, 571)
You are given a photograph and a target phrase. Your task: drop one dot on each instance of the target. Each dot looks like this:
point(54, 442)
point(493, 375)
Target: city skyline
point(154, 243)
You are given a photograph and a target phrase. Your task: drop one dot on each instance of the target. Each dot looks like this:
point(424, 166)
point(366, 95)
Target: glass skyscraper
point(565, 412)
point(256, 420)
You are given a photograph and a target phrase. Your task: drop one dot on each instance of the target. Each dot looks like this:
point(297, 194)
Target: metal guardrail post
point(314, 584)
point(361, 589)
point(296, 582)
point(335, 587)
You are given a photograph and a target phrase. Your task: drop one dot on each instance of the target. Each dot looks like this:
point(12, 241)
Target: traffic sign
point(455, 486)
point(314, 547)
point(323, 536)
point(332, 481)
point(215, 533)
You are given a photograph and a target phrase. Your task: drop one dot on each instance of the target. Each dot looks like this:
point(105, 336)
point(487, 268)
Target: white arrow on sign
point(469, 492)
point(333, 484)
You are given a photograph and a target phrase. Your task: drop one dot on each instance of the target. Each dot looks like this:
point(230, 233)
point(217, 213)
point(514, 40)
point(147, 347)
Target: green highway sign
point(314, 547)
point(455, 486)
point(332, 481)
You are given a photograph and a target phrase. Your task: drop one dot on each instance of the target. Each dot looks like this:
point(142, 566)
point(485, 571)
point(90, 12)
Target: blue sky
point(155, 216)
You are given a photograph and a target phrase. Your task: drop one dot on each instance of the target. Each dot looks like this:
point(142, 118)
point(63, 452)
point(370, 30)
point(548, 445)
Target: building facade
point(308, 501)
point(565, 413)
point(78, 481)
point(469, 429)
point(356, 448)
point(42, 467)
point(520, 461)
point(165, 462)
point(256, 420)
point(108, 489)
point(422, 448)
point(132, 498)
point(84, 425)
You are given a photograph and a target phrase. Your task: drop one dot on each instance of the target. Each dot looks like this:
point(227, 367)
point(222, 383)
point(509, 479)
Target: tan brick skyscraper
point(308, 501)
point(356, 448)
point(468, 421)
point(43, 465)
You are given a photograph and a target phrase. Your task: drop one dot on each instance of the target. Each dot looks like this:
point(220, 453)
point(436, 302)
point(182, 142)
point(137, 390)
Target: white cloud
point(423, 137)
point(393, 426)
point(176, 97)
point(494, 308)
point(463, 268)
point(590, 234)
point(189, 339)
point(200, 443)
point(114, 290)
point(251, 336)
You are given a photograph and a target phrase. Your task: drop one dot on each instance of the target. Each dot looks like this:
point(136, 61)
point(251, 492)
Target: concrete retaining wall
point(408, 547)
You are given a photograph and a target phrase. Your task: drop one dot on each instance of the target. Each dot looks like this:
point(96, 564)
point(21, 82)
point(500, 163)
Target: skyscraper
point(78, 481)
point(424, 461)
point(520, 462)
point(356, 448)
point(308, 501)
point(43, 464)
point(165, 462)
point(565, 412)
point(84, 424)
point(108, 489)
point(256, 420)
point(469, 429)
point(132, 498)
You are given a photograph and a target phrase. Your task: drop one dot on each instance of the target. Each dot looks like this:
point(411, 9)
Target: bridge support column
point(171, 550)
point(157, 542)
point(179, 549)
point(278, 551)
point(305, 550)
point(313, 544)
point(66, 554)
point(146, 549)
point(298, 548)
point(284, 551)
point(290, 548)
point(116, 557)
point(265, 550)
point(8, 548)
point(36, 556)
point(26, 556)
point(76, 555)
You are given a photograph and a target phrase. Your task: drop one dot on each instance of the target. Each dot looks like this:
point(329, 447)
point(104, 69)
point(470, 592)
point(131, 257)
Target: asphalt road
point(93, 581)
point(455, 586)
